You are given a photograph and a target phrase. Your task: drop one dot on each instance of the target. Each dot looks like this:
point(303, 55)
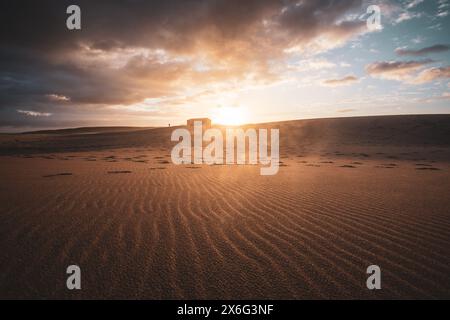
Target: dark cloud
point(128, 51)
point(414, 72)
point(312, 19)
point(424, 51)
point(395, 70)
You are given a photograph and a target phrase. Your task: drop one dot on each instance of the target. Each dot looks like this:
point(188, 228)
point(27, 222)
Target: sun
point(232, 116)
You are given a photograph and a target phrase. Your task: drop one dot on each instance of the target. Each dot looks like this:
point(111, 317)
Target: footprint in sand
point(347, 166)
point(428, 168)
point(57, 174)
point(387, 166)
point(119, 171)
point(365, 155)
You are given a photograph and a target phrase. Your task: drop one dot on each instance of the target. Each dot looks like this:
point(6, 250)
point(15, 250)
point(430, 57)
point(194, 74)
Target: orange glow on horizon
point(232, 116)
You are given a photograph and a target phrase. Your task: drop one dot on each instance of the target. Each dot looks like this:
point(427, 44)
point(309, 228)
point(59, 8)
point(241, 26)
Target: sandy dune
point(350, 192)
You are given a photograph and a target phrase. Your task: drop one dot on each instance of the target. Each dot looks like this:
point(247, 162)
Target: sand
point(350, 192)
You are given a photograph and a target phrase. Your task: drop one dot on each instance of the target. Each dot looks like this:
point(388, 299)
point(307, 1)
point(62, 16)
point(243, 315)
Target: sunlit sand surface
point(349, 193)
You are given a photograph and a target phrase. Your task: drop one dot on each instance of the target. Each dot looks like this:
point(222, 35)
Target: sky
point(154, 63)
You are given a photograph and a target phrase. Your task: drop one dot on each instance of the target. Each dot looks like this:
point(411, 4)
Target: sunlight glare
point(232, 116)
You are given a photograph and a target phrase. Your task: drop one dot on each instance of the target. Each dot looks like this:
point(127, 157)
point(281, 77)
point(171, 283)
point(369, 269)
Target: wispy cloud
point(57, 97)
point(432, 74)
point(424, 51)
point(161, 63)
point(443, 8)
point(413, 72)
point(34, 113)
point(341, 81)
point(313, 64)
point(407, 15)
point(414, 3)
point(346, 110)
point(395, 70)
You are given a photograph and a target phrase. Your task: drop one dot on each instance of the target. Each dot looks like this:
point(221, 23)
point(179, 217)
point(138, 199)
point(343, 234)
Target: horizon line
point(219, 124)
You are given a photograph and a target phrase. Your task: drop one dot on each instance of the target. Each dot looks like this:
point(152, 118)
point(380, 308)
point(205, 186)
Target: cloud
point(414, 3)
point(443, 96)
point(34, 113)
point(412, 72)
point(442, 8)
point(129, 51)
point(424, 51)
point(342, 81)
point(319, 25)
point(313, 64)
point(418, 39)
point(407, 15)
point(432, 74)
point(57, 97)
point(346, 110)
point(396, 12)
point(395, 70)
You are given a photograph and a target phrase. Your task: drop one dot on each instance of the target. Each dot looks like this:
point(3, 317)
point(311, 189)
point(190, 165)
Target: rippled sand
point(141, 227)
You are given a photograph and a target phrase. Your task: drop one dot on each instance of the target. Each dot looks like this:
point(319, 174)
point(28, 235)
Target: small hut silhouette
point(206, 123)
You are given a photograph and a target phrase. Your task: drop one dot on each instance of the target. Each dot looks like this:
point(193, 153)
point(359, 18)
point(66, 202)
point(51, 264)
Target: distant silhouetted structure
point(206, 123)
